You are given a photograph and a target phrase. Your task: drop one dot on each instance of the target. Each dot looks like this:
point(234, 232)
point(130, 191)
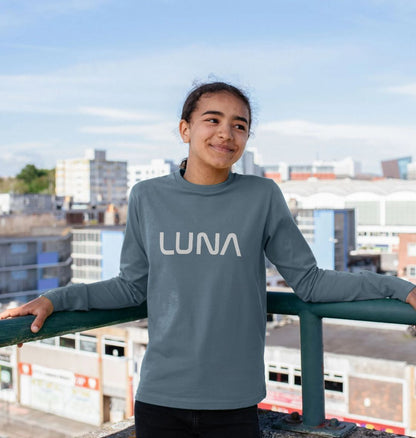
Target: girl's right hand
point(41, 307)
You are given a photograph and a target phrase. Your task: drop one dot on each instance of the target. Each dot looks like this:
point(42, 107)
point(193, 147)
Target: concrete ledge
point(125, 429)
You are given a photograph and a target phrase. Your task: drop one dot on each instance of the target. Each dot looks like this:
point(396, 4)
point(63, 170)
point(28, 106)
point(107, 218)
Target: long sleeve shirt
point(196, 253)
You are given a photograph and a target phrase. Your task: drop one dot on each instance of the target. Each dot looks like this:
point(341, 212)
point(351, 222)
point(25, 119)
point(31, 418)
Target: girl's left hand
point(411, 298)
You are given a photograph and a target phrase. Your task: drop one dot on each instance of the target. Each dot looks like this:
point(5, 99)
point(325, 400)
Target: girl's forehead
point(223, 100)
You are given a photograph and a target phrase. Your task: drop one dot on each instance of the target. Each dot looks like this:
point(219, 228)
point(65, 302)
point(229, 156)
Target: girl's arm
point(128, 289)
point(286, 247)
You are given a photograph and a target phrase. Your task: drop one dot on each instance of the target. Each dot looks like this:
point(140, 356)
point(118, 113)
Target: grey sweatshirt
point(196, 253)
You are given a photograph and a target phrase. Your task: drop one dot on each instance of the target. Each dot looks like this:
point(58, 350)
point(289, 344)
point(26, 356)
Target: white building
point(96, 253)
point(141, 172)
point(341, 168)
point(92, 179)
point(384, 208)
point(411, 170)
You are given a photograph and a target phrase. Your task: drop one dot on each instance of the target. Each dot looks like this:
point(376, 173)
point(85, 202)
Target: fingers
point(17, 311)
point(41, 307)
point(37, 324)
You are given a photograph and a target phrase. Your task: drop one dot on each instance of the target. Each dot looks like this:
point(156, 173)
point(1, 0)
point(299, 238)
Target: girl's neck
point(205, 176)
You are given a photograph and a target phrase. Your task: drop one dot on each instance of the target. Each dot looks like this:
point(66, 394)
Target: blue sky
point(327, 78)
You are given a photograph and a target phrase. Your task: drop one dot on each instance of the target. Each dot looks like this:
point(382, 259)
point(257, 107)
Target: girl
point(194, 248)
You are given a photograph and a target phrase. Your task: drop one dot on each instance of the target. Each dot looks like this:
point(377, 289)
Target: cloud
point(14, 156)
point(408, 90)
point(320, 131)
point(118, 114)
point(28, 11)
point(160, 132)
point(302, 141)
point(122, 81)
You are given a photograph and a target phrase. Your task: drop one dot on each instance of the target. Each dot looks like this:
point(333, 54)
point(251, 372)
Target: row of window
point(87, 343)
point(85, 274)
point(396, 212)
point(86, 237)
point(378, 233)
point(83, 248)
point(79, 262)
point(292, 376)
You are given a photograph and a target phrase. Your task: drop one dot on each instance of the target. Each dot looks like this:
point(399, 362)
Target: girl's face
point(217, 134)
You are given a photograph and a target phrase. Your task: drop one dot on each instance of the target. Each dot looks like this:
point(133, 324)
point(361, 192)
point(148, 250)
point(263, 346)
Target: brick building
point(407, 256)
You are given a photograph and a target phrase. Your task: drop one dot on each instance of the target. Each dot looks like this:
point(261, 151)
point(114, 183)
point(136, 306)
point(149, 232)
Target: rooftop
point(375, 343)
point(344, 187)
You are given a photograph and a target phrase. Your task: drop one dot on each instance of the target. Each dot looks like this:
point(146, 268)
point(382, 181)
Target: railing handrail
point(17, 330)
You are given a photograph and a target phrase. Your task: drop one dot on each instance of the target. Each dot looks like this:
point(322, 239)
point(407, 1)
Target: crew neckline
point(203, 188)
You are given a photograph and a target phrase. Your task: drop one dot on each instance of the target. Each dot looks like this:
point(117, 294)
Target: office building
point(396, 168)
point(383, 208)
point(330, 234)
point(318, 169)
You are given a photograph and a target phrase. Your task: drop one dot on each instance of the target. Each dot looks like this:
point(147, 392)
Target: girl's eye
point(213, 120)
point(241, 127)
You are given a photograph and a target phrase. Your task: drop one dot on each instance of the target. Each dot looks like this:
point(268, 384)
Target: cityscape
point(91, 94)
point(352, 222)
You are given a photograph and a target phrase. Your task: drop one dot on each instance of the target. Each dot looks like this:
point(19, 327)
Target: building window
point(411, 271)
point(297, 378)
point(18, 248)
point(67, 341)
point(48, 341)
point(333, 382)
point(332, 385)
point(6, 377)
point(88, 343)
point(278, 377)
point(19, 275)
point(411, 249)
point(114, 348)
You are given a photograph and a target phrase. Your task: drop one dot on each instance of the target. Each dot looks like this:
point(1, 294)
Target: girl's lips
point(222, 148)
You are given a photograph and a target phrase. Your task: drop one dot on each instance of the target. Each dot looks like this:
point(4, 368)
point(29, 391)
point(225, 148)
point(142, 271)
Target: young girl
point(194, 248)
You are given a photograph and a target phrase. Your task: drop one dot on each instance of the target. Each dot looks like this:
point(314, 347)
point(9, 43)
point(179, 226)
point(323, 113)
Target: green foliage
point(30, 180)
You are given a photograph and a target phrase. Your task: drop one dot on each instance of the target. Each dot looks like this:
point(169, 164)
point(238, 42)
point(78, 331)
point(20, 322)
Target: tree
point(33, 180)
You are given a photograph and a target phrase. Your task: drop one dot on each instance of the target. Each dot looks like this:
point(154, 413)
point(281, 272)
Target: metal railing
point(17, 330)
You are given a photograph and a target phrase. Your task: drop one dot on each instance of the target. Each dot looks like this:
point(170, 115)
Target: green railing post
point(312, 362)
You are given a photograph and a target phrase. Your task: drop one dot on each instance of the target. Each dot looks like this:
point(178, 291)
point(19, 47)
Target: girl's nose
point(225, 131)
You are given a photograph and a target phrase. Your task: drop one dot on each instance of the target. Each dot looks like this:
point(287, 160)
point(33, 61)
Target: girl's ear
point(184, 130)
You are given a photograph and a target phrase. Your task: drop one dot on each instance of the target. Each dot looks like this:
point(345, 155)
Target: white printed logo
point(202, 240)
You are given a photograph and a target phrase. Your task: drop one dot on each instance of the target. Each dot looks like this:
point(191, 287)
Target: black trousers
point(154, 421)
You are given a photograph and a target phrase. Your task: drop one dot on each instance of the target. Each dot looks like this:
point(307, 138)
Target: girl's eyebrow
point(219, 113)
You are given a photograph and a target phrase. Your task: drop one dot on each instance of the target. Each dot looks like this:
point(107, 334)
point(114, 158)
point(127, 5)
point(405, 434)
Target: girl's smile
point(217, 134)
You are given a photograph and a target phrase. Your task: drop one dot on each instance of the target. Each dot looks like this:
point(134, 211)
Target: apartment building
point(92, 180)
point(31, 264)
